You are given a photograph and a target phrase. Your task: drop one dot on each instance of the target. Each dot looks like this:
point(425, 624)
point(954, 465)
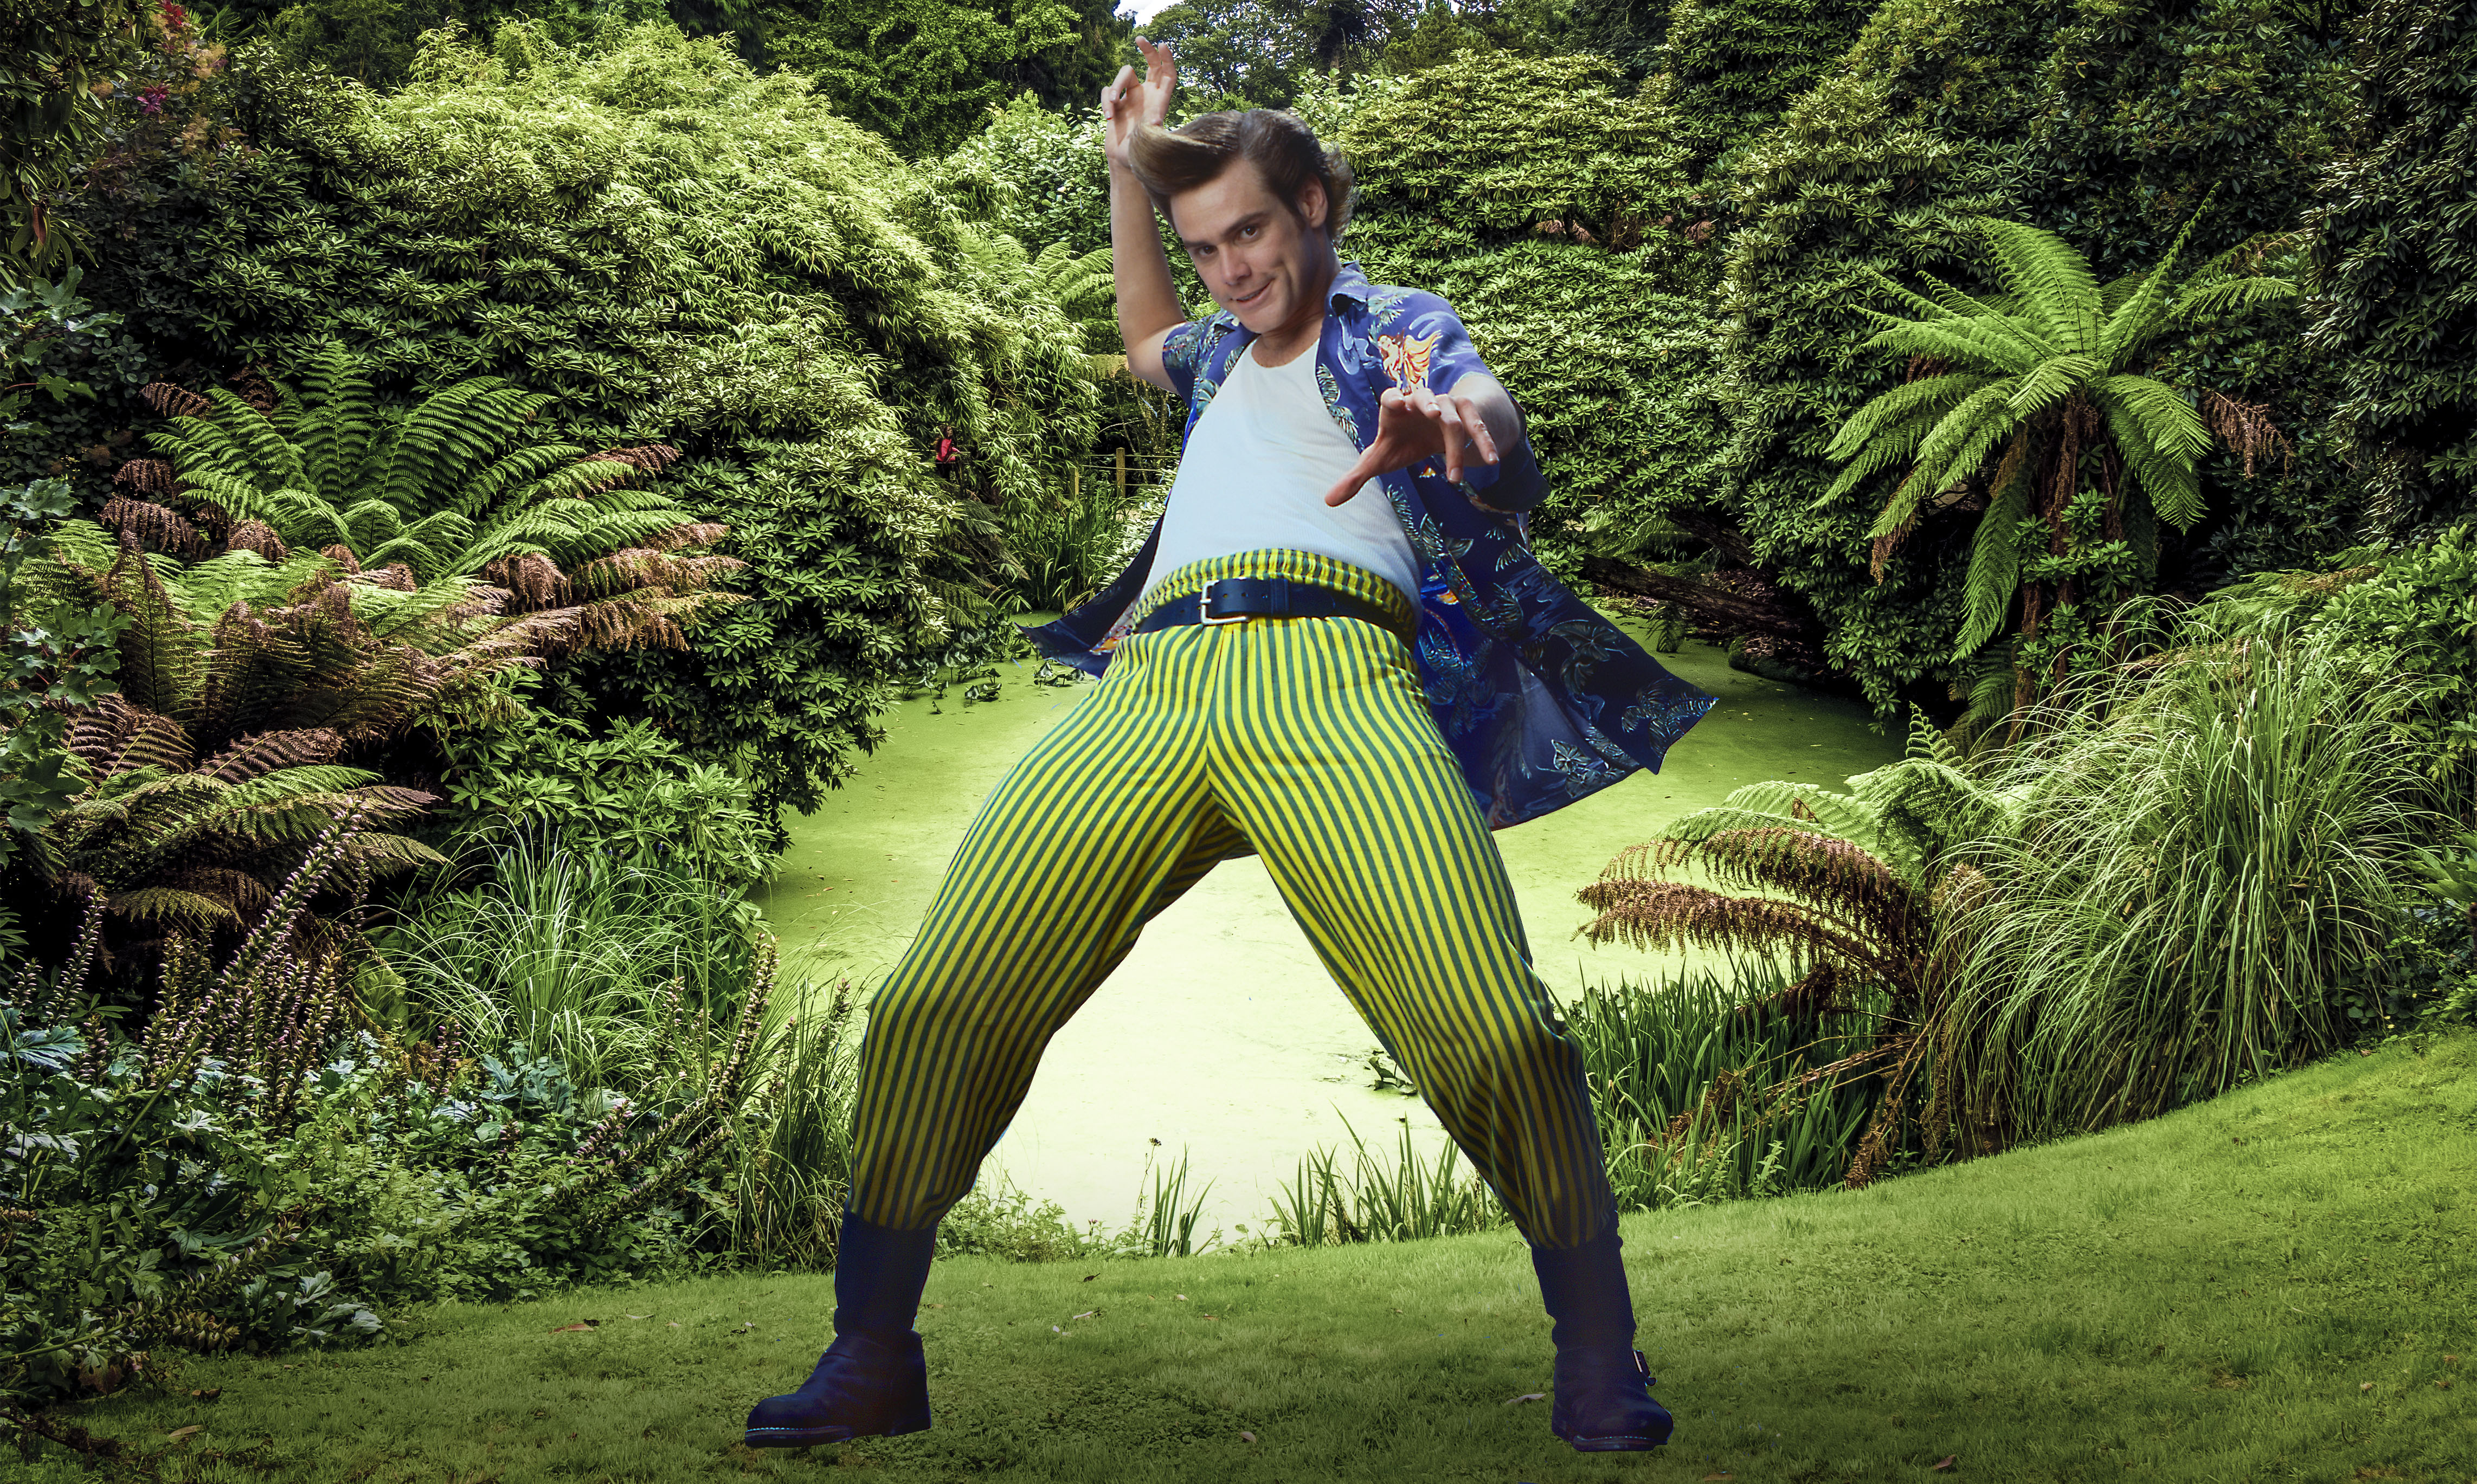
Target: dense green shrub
point(1609, 371)
point(680, 251)
point(1947, 109)
point(57, 61)
point(630, 796)
point(917, 73)
point(1487, 149)
point(1729, 68)
point(2396, 280)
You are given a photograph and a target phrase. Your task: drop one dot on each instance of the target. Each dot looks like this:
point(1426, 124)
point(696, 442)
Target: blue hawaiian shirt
point(1541, 699)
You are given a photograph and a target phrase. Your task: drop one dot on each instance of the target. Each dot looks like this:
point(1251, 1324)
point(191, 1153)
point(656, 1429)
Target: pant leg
point(1102, 825)
point(1324, 754)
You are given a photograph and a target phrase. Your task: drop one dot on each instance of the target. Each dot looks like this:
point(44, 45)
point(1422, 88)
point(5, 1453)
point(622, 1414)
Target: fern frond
point(2170, 476)
point(2054, 283)
point(1963, 342)
point(254, 756)
point(1936, 394)
point(1995, 560)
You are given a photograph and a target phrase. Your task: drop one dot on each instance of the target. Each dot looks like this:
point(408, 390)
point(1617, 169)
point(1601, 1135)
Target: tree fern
point(2046, 370)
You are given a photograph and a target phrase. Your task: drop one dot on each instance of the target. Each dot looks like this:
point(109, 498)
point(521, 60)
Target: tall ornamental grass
point(1709, 1088)
point(612, 969)
point(2212, 859)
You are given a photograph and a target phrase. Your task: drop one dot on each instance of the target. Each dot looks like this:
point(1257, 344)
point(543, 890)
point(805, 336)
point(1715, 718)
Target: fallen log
point(1726, 611)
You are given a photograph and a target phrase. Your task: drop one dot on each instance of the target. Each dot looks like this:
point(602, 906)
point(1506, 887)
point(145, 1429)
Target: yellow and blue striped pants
point(1309, 739)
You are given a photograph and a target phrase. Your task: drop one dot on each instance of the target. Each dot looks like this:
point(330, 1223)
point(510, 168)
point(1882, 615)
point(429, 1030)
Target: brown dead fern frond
point(116, 737)
point(153, 525)
point(703, 532)
point(257, 536)
point(170, 401)
point(148, 477)
point(638, 568)
point(1672, 914)
point(342, 556)
point(2246, 427)
point(531, 581)
point(645, 459)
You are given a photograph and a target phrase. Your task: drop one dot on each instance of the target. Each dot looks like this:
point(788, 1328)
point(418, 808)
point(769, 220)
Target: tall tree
point(1243, 54)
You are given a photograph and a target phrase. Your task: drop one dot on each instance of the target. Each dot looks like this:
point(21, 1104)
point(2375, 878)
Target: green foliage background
point(2103, 122)
point(672, 245)
point(2396, 262)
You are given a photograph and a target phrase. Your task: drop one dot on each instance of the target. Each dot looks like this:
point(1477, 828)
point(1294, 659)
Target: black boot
point(873, 1381)
point(1603, 1383)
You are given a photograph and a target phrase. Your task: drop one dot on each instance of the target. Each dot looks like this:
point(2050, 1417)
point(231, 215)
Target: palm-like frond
point(1994, 564)
point(2053, 282)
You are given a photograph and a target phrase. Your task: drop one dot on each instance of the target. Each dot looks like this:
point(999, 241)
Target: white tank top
point(1254, 475)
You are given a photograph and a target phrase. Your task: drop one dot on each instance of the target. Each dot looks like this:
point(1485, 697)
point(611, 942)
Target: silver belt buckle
point(1203, 608)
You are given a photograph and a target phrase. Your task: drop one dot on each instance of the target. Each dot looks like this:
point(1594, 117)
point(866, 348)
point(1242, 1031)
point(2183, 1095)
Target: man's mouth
point(1250, 298)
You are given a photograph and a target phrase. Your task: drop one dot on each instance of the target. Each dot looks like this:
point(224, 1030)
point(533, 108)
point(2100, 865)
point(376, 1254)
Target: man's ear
point(1313, 205)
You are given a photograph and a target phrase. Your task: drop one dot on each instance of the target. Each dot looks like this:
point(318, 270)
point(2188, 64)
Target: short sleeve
point(1420, 339)
point(1181, 352)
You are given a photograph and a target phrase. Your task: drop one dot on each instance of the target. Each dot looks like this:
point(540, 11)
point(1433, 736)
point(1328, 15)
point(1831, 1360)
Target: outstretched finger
point(1481, 436)
point(1367, 468)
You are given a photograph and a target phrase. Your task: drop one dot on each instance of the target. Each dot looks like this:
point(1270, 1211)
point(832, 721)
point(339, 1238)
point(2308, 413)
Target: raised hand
point(1415, 426)
point(1126, 103)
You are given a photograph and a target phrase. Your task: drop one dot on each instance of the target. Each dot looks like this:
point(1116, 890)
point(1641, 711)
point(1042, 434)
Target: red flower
point(151, 99)
point(174, 18)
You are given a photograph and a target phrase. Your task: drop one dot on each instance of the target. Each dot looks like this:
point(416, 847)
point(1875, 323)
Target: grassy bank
point(2270, 1285)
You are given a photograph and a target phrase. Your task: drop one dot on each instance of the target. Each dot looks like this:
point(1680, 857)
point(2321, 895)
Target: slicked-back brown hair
point(1167, 162)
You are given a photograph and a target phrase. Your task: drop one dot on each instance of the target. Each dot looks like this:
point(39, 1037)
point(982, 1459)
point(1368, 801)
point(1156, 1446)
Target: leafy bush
point(54, 348)
point(2396, 291)
point(631, 798)
point(1729, 68)
point(2103, 122)
point(682, 252)
point(1488, 148)
point(248, 1169)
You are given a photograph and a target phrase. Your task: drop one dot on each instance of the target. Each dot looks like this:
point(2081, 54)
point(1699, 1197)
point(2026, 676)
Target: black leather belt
point(1236, 598)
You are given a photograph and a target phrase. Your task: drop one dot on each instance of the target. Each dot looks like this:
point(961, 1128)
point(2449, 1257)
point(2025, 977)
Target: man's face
point(1260, 263)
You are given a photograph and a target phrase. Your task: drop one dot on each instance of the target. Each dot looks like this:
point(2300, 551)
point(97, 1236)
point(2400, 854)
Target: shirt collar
point(1349, 286)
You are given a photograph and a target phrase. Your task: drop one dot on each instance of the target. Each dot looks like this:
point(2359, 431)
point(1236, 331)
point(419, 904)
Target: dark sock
point(1585, 1290)
point(878, 1275)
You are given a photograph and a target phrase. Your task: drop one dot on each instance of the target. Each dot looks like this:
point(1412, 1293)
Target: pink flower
point(151, 99)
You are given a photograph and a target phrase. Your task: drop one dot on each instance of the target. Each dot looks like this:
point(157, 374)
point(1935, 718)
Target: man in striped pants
point(1337, 651)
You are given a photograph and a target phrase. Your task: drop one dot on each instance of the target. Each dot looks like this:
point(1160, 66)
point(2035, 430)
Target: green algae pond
point(1221, 1036)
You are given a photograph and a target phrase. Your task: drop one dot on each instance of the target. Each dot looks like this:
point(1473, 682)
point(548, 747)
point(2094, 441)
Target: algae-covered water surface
point(1221, 1033)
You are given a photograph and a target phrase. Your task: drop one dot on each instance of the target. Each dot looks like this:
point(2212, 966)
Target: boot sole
point(811, 1437)
point(1618, 1443)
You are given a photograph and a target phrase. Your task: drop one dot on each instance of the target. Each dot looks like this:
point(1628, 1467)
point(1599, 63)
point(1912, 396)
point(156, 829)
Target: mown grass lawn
point(2281, 1284)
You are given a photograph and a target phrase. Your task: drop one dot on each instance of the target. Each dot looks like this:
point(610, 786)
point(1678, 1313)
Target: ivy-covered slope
point(675, 248)
point(2109, 121)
